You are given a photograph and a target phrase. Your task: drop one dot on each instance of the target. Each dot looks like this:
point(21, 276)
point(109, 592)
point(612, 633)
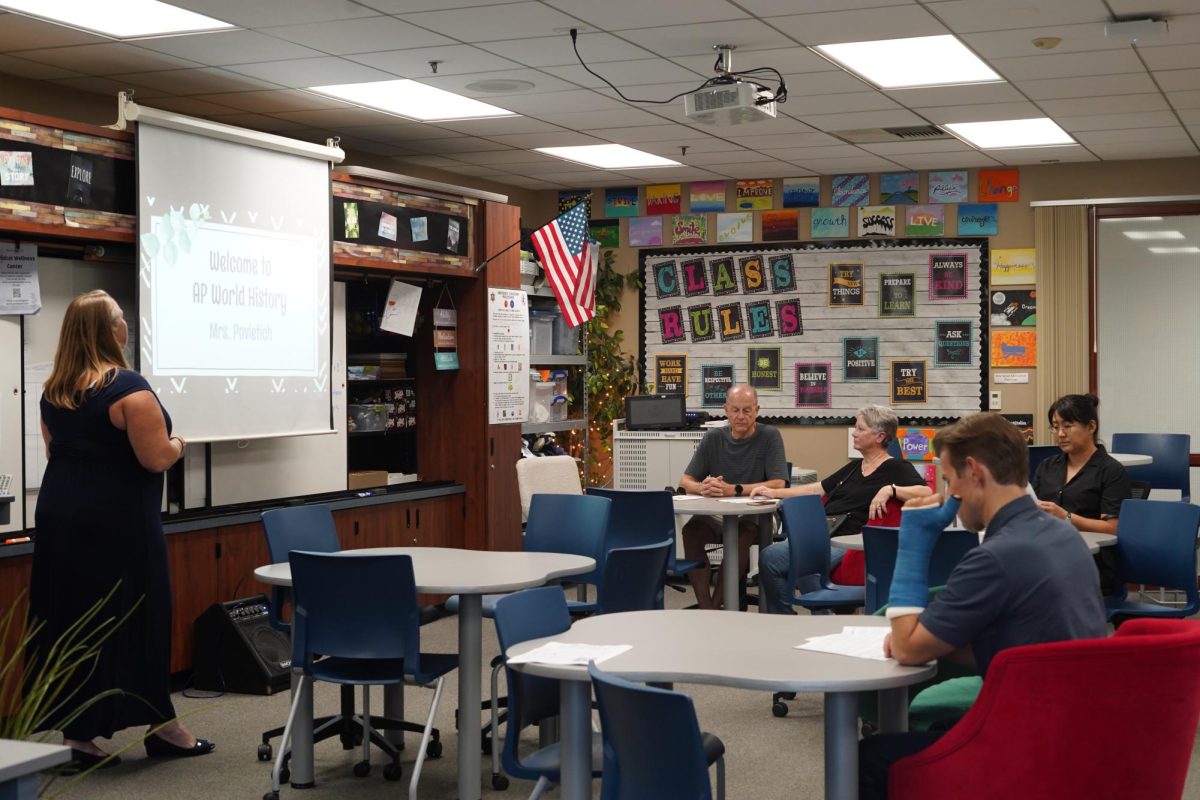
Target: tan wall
point(823, 448)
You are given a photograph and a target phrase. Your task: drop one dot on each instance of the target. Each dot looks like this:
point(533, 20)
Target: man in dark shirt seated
point(1031, 580)
point(730, 461)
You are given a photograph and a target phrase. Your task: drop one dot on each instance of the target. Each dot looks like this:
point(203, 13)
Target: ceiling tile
point(1183, 100)
point(1102, 122)
point(638, 134)
point(532, 140)
point(23, 68)
point(992, 15)
point(764, 127)
point(699, 38)
point(532, 183)
point(190, 106)
point(227, 47)
point(429, 161)
point(556, 102)
point(502, 157)
point(494, 23)
point(586, 120)
point(352, 145)
point(207, 80)
point(777, 140)
point(1130, 152)
point(1019, 41)
point(841, 103)
point(1178, 79)
point(631, 73)
point(411, 6)
point(765, 169)
point(456, 59)
point(1169, 134)
point(1128, 8)
point(894, 149)
point(259, 122)
point(791, 60)
point(110, 87)
point(556, 50)
point(477, 171)
point(542, 82)
point(498, 126)
point(727, 155)
point(312, 72)
point(775, 8)
point(348, 117)
point(1134, 83)
point(864, 119)
point(815, 84)
point(362, 35)
point(981, 113)
point(860, 25)
point(399, 130)
point(1083, 106)
point(815, 153)
point(260, 13)
point(1190, 116)
point(18, 32)
point(552, 166)
point(1041, 155)
point(111, 58)
point(956, 95)
point(270, 101)
point(670, 174)
point(1182, 56)
point(616, 15)
point(837, 166)
point(946, 161)
point(1068, 65)
point(449, 147)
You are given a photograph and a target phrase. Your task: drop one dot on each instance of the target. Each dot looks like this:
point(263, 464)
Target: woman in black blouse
point(1082, 484)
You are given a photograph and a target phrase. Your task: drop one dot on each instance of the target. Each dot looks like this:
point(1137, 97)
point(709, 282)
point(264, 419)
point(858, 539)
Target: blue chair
point(1170, 452)
point(519, 617)
point(1039, 453)
point(808, 566)
point(643, 516)
point(879, 548)
point(1156, 546)
point(634, 577)
point(893, 449)
point(370, 636)
point(653, 746)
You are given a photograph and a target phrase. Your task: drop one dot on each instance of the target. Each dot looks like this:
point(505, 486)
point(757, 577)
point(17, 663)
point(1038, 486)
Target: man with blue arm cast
point(1031, 580)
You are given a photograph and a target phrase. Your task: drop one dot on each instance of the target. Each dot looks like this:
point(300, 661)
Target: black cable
point(779, 95)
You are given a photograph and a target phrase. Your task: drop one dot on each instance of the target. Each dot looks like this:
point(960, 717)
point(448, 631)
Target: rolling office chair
point(310, 528)
point(368, 637)
point(643, 516)
point(1170, 451)
point(1156, 546)
point(1039, 453)
point(880, 545)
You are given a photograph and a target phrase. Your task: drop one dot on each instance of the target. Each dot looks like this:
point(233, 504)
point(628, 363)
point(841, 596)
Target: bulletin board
point(820, 329)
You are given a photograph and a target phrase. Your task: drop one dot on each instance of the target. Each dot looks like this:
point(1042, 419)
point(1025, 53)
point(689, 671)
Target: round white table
point(1093, 540)
point(730, 510)
point(1132, 459)
point(756, 651)
point(443, 570)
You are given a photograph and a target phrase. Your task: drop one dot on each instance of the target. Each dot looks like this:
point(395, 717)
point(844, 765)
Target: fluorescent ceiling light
point(1133, 219)
point(1041, 132)
point(1140, 235)
point(608, 156)
point(921, 61)
point(413, 100)
point(127, 19)
point(1167, 250)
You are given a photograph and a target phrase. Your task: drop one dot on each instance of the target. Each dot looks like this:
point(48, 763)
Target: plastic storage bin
point(541, 398)
point(558, 408)
point(367, 417)
point(541, 332)
point(566, 338)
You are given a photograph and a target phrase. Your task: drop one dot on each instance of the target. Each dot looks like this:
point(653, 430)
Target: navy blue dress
point(98, 522)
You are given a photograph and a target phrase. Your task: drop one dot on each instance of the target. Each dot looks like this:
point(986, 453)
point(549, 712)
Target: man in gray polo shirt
point(1031, 580)
point(729, 462)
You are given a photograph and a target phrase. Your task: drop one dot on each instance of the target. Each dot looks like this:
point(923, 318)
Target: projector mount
point(725, 75)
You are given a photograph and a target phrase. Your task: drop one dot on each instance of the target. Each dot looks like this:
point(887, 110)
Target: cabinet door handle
point(356, 527)
point(408, 517)
point(418, 514)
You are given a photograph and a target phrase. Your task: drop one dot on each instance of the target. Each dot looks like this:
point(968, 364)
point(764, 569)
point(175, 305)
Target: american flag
point(569, 257)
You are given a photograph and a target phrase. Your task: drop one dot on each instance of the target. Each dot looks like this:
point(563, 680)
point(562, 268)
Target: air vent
point(912, 133)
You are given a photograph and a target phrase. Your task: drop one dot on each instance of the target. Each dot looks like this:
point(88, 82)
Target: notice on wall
point(508, 354)
point(716, 381)
point(19, 289)
point(670, 374)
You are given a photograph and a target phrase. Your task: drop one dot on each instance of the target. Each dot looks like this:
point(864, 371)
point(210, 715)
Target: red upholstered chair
point(853, 569)
point(1103, 719)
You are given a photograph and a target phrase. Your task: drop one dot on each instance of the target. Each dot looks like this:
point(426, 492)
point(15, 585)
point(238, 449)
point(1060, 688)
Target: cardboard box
point(366, 479)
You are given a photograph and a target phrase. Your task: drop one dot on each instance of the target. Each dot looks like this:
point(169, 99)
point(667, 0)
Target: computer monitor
point(656, 412)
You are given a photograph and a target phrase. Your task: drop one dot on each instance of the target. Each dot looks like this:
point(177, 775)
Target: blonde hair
point(87, 347)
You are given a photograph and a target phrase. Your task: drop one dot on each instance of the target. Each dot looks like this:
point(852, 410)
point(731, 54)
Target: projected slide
point(233, 314)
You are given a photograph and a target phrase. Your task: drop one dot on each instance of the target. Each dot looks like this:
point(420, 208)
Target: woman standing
point(98, 524)
point(1082, 483)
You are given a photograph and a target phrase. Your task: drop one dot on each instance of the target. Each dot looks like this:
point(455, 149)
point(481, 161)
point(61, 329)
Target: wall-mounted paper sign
point(400, 312)
point(715, 382)
point(445, 337)
point(20, 292)
point(445, 317)
point(1011, 377)
point(446, 361)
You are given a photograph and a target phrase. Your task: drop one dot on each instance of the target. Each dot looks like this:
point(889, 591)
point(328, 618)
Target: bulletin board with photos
point(820, 329)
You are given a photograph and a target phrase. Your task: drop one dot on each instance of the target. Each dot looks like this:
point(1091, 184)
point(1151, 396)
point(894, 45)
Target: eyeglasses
point(1065, 427)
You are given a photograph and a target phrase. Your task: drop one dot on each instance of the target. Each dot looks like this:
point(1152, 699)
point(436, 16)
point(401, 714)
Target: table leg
point(731, 573)
point(765, 533)
point(470, 646)
point(575, 702)
point(302, 736)
point(24, 787)
point(841, 746)
point(893, 710)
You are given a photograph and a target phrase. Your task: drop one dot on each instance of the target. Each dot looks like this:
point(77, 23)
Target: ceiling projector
point(729, 103)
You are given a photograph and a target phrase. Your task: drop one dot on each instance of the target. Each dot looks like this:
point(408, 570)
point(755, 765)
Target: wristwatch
point(1069, 518)
point(737, 490)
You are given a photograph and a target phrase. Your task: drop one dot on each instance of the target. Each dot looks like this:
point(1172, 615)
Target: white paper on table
point(681, 497)
point(748, 501)
point(565, 655)
point(400, 312)
point(857, 641)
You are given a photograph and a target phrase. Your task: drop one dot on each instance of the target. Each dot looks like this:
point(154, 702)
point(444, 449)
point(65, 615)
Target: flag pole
point(499, 253)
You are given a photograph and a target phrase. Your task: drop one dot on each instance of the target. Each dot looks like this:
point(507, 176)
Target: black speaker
point(235, 649)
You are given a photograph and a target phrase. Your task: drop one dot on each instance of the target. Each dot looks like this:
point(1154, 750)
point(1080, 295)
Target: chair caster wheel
point(264, 752)
point(393, 772)
point(362, 769)
point(285, 775)
point(499, 782)
point(779, 709)
point(434, 749)
point(271, 796)
point(486, 745)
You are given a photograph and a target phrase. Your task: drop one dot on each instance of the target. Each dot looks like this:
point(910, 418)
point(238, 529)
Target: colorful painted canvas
point(1014, 348)
point(570, 198)
point(621, 201)
point(999, 185)
point(877, 221)
point(830, 223)
point(1014, 308)
point(925, 220)
point(645, 232)
point(801, 192)
point(1014, 267)
point(689, 229)
point(755, 195)
point(899, 188)
point(663, 199)
point(850, 190)
point(978, 219)
point(708, 196)
point(948, 186)
point(606, 231)
point(735, 227)
point(780, 226)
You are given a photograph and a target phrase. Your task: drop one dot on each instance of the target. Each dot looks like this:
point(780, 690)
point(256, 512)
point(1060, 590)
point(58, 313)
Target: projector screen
point(234, 265)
